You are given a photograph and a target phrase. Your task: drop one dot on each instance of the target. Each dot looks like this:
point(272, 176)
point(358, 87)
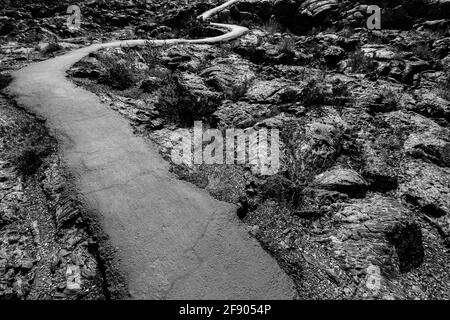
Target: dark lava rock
point(150, 84)
point(428, 186)
point(431, 145)
point(381, 174)
point(376, 232)
point(430, 104)
point(188, 57)
point(228, 75)
point(301, 16)
point(242, 114)
point(333, 55)
point(343, 180)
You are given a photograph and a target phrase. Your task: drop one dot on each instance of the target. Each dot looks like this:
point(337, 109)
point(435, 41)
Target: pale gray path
point(173, 240)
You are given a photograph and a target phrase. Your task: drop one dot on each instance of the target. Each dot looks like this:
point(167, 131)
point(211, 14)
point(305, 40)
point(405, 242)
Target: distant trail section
point(171, 239)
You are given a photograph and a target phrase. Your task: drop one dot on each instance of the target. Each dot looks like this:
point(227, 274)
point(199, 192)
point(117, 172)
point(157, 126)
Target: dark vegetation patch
point(444, 87)
point(5, 80)
point(30, 150)
point(359, 62)
point(318, 93)
point(119, 73)
point(177, 104)
point(52, 47)
point(423, 51)
point(386, 101)
point(28, 159)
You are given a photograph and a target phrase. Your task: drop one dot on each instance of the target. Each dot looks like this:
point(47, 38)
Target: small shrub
point(239, 91)
point(280, 188)
point(151, 54)
point(196, 28)
point(347, 32)
point(313, 94)
point(313, 32)
point(375, 38)
point(5, 80)
point(317, 93)
point(225, 49)
point(178, 105)
point(385, 101)
point(422, 51)
point(272, 26)
point(52, 47)
point(340, 96)
point(287, 45)
point(251, 51)
point(390, 100)
point(300, 167)
point(28, 159)
point(359, 62)
point(118, 73)
point(444, 88)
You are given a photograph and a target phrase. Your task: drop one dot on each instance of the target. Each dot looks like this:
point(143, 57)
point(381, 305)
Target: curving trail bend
point(171, 240)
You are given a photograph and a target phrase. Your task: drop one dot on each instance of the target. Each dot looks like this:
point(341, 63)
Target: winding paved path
point(173, 240)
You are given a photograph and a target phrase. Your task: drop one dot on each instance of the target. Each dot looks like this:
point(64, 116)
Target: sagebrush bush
point(299, 167)
point(178, 105)
point(317, 93)
point(422, 51)
point(29, 158)
point(444, 88)
point(359, 62)
point(390, 100)
point(53, 46)
point(5, 80)
point(151, 54)
point(347, 32)
point(272, 26)
point(196, 28)
point(313, 94)
point(340, 95)
point(287, 45)
point(119, 73)
point(238, 92)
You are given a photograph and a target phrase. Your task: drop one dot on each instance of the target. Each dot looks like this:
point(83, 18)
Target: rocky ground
point(46, 251)
point(360, 207)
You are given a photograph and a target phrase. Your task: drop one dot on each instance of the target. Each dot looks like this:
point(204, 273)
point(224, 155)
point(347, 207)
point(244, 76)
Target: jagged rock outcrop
point(431, 145)
point(187, 57)
point(377, 233)
point(242, 114)
point(428, 186)
point(430, 104)
point(343, 180)
point(230, 75)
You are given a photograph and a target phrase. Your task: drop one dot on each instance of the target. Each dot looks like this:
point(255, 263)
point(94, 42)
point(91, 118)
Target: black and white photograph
point(214, 150)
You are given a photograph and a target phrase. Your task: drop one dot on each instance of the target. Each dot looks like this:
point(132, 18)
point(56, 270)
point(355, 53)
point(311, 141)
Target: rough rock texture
point(241, 114)
point(43, 234)
point(428, 185)
point(228, 75)
point(359, 207)
point(343, 180)
point(376, 232)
